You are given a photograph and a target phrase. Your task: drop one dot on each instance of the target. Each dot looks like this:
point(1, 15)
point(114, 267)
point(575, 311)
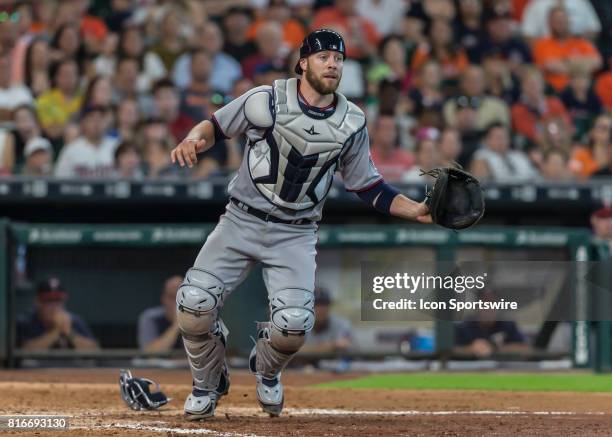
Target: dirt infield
point(91, 399)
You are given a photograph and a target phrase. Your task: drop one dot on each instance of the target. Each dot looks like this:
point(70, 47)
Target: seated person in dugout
point(485, 335)
point(158, 329)
point(50, 325)
point(331, 333)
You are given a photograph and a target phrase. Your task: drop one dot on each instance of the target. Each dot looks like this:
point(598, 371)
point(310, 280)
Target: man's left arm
point(361, 177)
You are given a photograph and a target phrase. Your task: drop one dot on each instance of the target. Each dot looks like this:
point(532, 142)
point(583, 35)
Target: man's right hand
point(186, 152)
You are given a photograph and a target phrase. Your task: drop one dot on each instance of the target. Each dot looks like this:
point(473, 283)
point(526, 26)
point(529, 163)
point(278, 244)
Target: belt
point(266, 217)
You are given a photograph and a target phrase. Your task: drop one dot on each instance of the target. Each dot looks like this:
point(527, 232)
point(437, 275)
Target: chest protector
point(293, 164)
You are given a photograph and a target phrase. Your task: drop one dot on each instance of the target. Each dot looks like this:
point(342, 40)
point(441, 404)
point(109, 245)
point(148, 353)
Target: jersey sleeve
point(231, 120)
point(356, 165)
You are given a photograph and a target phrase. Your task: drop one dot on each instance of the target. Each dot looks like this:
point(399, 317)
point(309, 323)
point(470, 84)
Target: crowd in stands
point(513, 90)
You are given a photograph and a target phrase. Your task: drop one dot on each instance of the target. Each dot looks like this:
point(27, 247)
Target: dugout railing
point(20, 238)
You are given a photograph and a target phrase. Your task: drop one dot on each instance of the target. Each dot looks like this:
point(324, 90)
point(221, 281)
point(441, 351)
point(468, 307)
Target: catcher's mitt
point(456, 200)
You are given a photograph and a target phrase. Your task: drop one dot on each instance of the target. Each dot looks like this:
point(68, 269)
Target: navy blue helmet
point(319, 40)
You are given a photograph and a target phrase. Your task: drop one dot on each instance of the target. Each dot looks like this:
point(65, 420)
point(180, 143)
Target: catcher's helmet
point(319, 40)
point(137, 394)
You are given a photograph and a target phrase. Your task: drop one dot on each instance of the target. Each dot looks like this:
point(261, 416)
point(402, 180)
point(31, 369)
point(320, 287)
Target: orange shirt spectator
point(603, 88)
point(452, 64)
point(530, 123)
point(293, 32)
point(360, 34)
point(583, 163)
point(548, 49)
point(589, 158)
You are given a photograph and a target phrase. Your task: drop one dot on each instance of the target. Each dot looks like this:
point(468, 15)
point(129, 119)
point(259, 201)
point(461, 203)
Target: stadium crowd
point(513, 90)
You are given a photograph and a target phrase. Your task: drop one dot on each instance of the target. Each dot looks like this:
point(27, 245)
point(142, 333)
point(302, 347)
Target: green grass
point(575, 382)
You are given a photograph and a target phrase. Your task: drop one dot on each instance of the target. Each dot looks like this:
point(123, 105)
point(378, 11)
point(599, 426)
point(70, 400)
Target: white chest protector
point(293, 164)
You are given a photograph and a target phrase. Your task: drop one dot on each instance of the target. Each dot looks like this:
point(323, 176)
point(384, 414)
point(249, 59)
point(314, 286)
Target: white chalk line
point(162, 427)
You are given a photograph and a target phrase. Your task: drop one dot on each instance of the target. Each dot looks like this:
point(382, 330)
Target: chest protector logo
point(293, 164)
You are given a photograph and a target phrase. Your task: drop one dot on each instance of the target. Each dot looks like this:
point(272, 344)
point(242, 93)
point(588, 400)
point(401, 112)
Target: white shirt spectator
point(225, 71)
point(514, 166)
point(14, 96)
point(82, 159)
point(386, 15)
point(582, 17)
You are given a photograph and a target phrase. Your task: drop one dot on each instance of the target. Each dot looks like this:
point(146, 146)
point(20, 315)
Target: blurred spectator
point(158, 330)
point(427, 157)
point(606, 170)
point(157, 161)
point(131, 45)
point(601, 221)
point(38, 155)
point(331, 333)
point(127, 162)
point(7, 153)
point(196, 96)
point(99, 92)
point(386, 15)
point(450, 147)
point(442, 47)
point(26, 127)
point(426, 93)
point(270, 49)
point(56, 106)
point(469, 30)
point(486, 335)
point(127, 120)
point(557, 53)
point(11, 96)
point(603, 86)
point(125, 85)
point(236, 24)
point(279, 11)
point(360, 34)
point(533, 111)
point(36, 71)
point(171, 44)
point(496, 161)
point(120, 12)
point(501, 40)
point(167, 108)
point(392, 65)
point(589, 158)
point(225, 70)
point(50, 325)
point(471, 111)
point(500, 81)
point(583, 19)
point(390, 160)
point(580, 100)
point(67, 44)
point(93, 153)
point(555, 166)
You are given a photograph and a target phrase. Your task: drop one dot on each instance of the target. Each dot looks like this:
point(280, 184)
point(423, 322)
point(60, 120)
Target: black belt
point(266, 217)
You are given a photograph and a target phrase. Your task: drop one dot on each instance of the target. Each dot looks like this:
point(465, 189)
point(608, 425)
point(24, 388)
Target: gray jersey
point(353, 160)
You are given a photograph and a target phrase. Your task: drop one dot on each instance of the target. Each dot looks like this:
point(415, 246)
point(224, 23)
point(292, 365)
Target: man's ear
point(303, 63)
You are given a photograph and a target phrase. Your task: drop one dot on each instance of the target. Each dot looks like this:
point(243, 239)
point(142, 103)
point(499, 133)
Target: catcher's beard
point(319, 85)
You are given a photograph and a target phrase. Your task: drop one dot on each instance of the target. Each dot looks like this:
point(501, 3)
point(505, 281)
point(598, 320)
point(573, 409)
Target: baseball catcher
point(299, 133)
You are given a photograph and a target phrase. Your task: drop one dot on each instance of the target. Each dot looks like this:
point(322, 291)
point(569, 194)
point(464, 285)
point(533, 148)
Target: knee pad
point(292, 316)
point(197, 302)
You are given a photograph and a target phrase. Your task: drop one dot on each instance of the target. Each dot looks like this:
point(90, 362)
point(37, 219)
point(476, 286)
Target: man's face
point(497, 140)
point(93, 125)
point(167, 103)
point(200, 67)
point(39, 162)
point(168, 298)
point(346, 7)
point(386, 132)
point(473, 81)
point(68, 77)
point(602, 227)
point(555, 168)
point(321, 313)
point(559, 25)
point(323, 71)
point(127, 73)
point(46, 310)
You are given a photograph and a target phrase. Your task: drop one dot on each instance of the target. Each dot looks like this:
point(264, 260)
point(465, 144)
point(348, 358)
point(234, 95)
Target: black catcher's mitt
point(456, 200)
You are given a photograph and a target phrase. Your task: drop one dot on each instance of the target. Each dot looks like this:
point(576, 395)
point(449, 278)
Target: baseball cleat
point(201, 404)
point(270, 393)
